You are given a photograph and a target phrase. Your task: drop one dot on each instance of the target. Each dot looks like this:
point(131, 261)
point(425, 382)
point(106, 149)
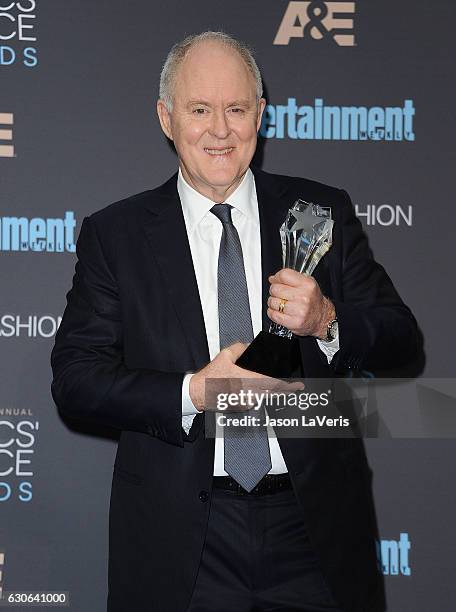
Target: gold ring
point(283, 301)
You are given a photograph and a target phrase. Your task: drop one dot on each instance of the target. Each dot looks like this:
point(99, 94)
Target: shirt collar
point(195, 206)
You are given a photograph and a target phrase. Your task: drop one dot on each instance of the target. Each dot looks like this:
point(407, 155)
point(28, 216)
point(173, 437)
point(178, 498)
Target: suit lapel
point(164, 227)
point(272, 211)
point(165, 230)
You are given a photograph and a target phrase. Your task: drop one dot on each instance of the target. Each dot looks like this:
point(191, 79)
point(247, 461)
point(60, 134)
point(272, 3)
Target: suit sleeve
point(90, 379)
point(376, 329)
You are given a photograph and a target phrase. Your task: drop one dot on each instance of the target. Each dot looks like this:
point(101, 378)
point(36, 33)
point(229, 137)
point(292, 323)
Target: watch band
point(332, 330)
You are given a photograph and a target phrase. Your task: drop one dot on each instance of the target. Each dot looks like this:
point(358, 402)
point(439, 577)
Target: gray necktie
point(247, 456)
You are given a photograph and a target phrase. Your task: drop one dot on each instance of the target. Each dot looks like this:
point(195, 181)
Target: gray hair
point(180, 50)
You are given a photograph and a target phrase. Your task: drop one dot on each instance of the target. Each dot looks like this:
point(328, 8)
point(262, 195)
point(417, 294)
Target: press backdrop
point(361, 96)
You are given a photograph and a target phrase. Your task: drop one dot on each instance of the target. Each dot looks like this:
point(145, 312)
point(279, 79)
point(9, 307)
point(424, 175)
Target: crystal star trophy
point(306, 236)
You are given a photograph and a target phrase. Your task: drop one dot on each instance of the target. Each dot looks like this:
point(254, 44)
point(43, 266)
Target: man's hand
point(224, 366)
point(306, 311)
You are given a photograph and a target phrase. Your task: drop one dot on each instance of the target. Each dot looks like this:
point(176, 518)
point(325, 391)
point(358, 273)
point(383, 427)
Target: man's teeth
point(219, 151)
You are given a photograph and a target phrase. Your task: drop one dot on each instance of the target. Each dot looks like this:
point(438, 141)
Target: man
point(141, 333)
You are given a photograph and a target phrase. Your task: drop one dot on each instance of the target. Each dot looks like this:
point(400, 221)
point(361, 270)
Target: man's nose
point(219, 125)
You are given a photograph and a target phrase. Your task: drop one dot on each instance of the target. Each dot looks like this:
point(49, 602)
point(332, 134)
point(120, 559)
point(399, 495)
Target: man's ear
point(261, 107)
point(165, 119)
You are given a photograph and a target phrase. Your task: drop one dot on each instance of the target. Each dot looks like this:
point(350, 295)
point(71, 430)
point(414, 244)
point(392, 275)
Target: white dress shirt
point(204, 232)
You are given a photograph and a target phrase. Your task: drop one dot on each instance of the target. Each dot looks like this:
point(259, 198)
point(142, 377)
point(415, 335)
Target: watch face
point(333, 330)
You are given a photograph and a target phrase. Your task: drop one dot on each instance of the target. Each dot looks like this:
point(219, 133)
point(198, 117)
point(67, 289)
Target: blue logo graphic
point(17, 453)
point(37, 234)
point(394, 556)
point(17, 31)
point(321, 122)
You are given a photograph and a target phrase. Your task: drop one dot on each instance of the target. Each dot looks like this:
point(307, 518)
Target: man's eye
point(237, 111)
point(199, 111)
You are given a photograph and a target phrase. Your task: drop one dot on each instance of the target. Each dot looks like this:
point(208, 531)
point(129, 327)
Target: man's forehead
point(212, 48)
point(211, 68)
point(215, 59)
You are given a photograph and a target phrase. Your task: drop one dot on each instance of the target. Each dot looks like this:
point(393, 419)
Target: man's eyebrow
point(233, 103)
point(240, 103)
point(203, 102)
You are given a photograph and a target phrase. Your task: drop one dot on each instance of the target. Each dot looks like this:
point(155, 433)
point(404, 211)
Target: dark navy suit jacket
point(133, 326)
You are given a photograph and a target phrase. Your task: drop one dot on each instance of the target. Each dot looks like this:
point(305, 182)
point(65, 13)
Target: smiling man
point(169, 286)
point(212, 115)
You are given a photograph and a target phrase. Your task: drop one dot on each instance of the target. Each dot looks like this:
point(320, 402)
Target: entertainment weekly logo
point(17, 31)
point(321, 121)
point(38, 234)
point(393, 556)
point(6, 135)
point(330, 21)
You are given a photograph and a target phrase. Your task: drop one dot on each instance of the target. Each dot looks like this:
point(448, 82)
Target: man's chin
point(224, 178)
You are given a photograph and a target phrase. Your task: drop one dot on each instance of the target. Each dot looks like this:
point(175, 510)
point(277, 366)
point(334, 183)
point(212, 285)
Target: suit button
point(203, 496)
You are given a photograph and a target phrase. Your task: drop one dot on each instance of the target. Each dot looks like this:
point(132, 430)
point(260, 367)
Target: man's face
point(214, 120)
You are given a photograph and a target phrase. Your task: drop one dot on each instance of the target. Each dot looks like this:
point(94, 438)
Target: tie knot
point(223, 212)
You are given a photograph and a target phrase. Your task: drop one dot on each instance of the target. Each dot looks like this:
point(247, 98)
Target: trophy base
point(271, 355)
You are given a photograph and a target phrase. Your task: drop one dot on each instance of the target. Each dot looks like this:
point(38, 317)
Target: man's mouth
point(225, 151)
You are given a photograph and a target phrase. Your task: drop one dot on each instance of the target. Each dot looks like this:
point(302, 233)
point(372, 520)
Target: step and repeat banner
point(360, 95)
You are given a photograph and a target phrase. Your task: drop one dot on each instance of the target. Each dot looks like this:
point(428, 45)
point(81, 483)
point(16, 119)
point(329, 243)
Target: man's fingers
point(286, 276)
point(235, 350)
point(281, 318)
point(289, 307)
point(250, 374)
point(283, 385)
point(282, 291)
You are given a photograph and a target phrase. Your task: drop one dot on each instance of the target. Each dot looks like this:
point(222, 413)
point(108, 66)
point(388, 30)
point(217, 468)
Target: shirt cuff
point(328, 348)
point(188, 408)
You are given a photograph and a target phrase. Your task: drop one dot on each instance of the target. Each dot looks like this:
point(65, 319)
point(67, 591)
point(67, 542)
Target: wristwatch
point(332, 331)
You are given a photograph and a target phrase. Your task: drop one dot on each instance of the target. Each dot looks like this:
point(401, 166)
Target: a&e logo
point(331, 21)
